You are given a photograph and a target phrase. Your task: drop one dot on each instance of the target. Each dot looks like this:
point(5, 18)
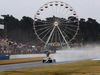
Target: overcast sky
point(19, 8)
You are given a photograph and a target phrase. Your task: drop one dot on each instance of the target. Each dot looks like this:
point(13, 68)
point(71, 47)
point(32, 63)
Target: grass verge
point(15, 61)
point(77, 68)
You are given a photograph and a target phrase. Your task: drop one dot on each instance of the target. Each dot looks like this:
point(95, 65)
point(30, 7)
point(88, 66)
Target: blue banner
point(3, 57)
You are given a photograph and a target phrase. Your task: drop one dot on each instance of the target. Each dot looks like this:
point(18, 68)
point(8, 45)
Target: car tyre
point(44, 61)
point(54, 60)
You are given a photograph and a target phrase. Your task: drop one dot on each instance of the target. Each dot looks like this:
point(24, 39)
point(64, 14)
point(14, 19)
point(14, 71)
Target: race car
point(48, 60)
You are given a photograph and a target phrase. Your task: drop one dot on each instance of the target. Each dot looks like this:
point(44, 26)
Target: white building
point(1, 26)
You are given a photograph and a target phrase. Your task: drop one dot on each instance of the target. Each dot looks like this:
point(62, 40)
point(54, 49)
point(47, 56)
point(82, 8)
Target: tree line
point(22, 30)
point(18, 30)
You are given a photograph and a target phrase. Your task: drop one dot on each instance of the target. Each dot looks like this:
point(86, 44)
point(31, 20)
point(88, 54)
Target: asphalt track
point(30, 65)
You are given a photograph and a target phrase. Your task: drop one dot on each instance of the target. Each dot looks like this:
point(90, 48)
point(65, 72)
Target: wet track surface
point(30, 65)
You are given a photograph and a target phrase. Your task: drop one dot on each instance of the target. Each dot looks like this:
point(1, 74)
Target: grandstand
point(10, 47)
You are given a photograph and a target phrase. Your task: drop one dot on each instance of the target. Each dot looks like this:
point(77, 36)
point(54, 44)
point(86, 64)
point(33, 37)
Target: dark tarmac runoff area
point(31, 64)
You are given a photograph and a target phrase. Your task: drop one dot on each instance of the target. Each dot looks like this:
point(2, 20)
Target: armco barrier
point(3, 57)
point(20, 56)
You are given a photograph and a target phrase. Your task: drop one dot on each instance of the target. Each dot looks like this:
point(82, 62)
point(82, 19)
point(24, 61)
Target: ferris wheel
point(56, 21)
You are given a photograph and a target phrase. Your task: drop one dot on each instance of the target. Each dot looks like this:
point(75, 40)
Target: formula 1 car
point(48, 60)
